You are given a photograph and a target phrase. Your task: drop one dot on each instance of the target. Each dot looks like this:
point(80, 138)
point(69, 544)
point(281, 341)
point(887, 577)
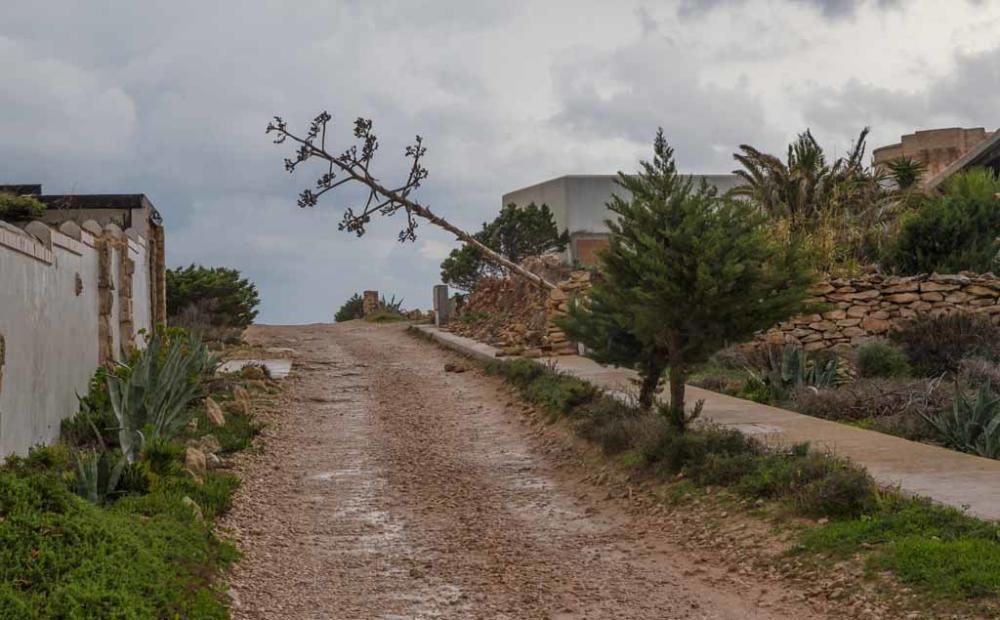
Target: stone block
point(852, 332)
point(823, 326)
point(857, 312)
point(957, 297)
point(981, 291)
point(906, 287)
point(863, 295)
point(932, 297)
point(848, 322)
point(875, 326)
point(903, 298)
point(937, 287)
point(814, 346)
point(835, 315)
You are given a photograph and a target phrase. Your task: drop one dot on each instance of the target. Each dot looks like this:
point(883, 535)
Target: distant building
point(579, 205)
point(943, 151)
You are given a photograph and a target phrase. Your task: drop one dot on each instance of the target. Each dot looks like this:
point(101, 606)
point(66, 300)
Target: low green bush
point(937, 345)
point(941, 549)
point(880, 358)
point(952, 232)
point(63, 557)
point(20, 208)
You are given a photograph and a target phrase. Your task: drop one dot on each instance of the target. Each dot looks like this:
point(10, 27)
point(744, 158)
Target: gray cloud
point(965, 96)
point(832, 9)
point(617, 96)
point(171, 99)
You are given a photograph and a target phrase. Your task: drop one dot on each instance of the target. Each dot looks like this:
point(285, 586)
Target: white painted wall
point(142, 312)
point(579, 202)
point(50, 331)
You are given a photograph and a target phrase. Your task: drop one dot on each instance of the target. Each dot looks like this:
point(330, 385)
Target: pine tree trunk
point(651, 374)
point(678, 417)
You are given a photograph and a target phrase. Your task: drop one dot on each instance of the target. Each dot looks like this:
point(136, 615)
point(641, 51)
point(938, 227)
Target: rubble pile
point(511, 313)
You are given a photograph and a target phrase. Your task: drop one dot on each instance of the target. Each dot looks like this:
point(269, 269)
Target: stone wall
point(869, 307)
point(54, 290)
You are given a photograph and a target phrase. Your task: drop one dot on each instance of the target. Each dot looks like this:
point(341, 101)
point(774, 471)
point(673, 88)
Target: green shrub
point(19, 208)
point(937, 345)
point(614, 425)
point(972, 424)
point(880, 358)
point(952, 232)
point(353, 308)
point(94, 425)
point(940, 549)
point(62, 557)
point(842, 491)
point(200, 297)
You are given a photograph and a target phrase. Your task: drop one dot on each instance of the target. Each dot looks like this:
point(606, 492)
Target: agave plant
point(391, 305)
point(97, 475)
point(151, 395)
point(972, 424)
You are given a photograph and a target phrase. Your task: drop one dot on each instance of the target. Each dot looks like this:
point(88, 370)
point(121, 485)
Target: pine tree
point(516, 233)
point(685, 273)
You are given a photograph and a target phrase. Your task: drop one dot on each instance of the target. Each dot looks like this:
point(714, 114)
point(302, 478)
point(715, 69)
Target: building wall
point(935, 148)
point(579, 204)
point(49, 316)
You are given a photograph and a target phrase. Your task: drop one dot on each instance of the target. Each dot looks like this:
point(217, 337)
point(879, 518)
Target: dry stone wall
point(861, 309)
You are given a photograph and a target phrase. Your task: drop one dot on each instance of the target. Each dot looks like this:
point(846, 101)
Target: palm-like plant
point(906, 172)
point(835, 204)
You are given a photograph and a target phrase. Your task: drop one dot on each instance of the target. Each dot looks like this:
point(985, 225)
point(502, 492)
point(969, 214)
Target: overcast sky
point(171, 99)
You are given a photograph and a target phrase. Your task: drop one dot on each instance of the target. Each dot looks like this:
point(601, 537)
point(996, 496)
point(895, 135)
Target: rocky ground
point(389, 488)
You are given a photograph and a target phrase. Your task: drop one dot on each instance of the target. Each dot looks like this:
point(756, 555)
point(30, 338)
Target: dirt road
point(392, 489)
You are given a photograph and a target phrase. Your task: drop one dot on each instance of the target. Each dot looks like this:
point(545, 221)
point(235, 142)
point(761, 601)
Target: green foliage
point(782, 369)
point(952, 232)
point(880, 358)
point(94, 425)
point(972, 424)
point(19, 208)
point(558, 393)
point(839, 210)
point(97, 475)
point(62, 557)
point(906, 172)
point(151, 394)
point(516, 233)
point(391, 305)
point(937, 345)
point(200, 296)
point(685, 272)
point(939, 549)
point(352, 309)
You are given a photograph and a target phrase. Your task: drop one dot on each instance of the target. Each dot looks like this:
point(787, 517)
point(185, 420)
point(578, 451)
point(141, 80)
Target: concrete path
point(949, 477)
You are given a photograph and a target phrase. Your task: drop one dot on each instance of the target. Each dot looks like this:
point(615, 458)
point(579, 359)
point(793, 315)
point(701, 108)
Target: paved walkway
point(946, 476)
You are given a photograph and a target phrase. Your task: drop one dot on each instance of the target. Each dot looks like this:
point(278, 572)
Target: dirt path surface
point(392, 489)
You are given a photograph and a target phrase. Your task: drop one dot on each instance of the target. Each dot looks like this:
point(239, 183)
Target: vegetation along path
point(960, 480)
point(394, 489)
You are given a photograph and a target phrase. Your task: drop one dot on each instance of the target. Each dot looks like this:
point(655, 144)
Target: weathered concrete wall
point(49, 308)
point(871, 306)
